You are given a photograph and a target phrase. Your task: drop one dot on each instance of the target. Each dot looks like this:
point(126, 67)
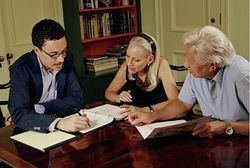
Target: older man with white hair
point(218, 79)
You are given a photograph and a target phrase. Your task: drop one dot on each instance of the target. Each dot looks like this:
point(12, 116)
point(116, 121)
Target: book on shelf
point(107, 71)
point(119, 51)
point(91, 4)
point(126, 2)
point(102, 67)
point(170, 128)
point(95, 57)
point(82, 27)
point(101, 61)
point(121, 59)
point(118, 48)
point(114, 54)
point(80, 4)
point(107, 23)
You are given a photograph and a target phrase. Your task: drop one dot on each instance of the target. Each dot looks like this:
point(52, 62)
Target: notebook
point(43, 141)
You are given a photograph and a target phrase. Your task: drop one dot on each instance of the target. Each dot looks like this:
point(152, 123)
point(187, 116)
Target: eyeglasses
point(55, 55)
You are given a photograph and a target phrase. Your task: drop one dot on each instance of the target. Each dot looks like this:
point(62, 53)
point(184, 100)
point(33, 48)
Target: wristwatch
point(229, 128)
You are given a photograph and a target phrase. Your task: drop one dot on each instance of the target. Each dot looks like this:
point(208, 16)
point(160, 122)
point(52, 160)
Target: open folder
point(169, 128)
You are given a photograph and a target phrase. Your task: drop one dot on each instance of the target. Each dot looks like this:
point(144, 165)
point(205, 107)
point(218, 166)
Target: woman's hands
point(136, 115)
point(125, 96)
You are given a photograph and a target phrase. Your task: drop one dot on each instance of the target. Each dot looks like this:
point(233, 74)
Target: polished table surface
point(120, 145)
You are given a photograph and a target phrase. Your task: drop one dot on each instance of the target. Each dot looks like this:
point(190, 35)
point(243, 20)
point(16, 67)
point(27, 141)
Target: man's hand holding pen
point(84, 115)
point(73, 123)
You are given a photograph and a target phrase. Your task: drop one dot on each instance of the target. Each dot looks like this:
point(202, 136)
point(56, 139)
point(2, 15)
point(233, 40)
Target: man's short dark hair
point(46, 29)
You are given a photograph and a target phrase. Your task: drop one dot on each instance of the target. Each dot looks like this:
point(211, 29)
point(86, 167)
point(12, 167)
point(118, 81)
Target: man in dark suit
point(44, 87)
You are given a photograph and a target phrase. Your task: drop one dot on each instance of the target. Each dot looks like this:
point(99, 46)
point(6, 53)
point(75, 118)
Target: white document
point(108, 110)
point(96, 120)
point(43, 141)
point(146, 130)
point(168, 128)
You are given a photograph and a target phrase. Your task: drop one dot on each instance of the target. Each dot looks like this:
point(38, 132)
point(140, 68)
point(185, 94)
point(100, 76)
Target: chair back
point(3, 102)
point(176, 68)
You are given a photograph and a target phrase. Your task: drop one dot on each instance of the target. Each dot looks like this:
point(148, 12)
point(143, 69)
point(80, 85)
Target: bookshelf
point(87, 37)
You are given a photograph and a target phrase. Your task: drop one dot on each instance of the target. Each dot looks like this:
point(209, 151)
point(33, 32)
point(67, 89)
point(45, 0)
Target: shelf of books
point(106, 27)
point(98, 32)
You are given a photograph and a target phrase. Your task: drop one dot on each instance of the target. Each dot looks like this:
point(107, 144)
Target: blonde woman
point(218, 79)
point(144, 80)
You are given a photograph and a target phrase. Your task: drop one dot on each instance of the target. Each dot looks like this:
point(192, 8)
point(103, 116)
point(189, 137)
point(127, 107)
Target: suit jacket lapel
point(37, 86)
point(60, 83)
point(62, 75)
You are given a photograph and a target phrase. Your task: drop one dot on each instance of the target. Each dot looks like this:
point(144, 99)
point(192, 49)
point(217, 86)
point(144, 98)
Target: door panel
point(16, 21)
point(182, 16)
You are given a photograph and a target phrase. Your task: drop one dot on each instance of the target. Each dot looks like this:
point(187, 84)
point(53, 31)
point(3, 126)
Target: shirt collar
point(43, 69)
point(218, 77)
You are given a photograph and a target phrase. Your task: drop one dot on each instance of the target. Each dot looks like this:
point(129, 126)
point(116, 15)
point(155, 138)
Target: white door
point(182, 16)
point(174, 17)
point(17, 17)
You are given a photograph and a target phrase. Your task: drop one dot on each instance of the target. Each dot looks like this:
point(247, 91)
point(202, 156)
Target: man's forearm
point(174, 109)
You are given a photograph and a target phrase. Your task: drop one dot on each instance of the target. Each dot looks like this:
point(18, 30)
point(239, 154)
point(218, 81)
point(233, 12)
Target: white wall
point(236, 23)
point(148, 17)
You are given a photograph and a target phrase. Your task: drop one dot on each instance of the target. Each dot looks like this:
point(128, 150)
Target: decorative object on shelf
point(87, 4)
point(106, 3)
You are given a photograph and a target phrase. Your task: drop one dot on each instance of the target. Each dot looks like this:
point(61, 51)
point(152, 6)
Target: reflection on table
point(120, 145)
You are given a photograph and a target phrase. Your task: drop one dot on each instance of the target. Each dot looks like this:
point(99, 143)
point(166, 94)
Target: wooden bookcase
point(94, 86)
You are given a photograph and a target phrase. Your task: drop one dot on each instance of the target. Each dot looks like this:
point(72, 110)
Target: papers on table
point(107, 110)
point(96, 121)
point(46, 141)
point(168, 128)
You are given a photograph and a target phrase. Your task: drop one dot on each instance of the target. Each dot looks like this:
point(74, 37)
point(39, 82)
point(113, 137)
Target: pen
point(84, 116)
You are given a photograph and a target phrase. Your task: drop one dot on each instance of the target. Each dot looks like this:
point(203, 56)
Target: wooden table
point(120, 145)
